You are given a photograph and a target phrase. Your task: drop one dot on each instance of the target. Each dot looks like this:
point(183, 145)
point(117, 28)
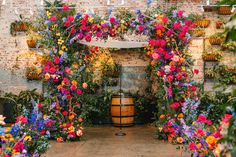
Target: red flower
point(226, 118)
point(40, 105)
point(209, 122)
point(180, 14)
point(49, 123)
point(192, 146)
point(170, 78)
point(70, 18)
point(73, 30)
point(57, 60)
point(67, 24)
point(67, 70)
point(175, 105)
point(199, 133)
point(188, 22)
point(179, 77)
point(196, 71)
point(88, 37)
point(19, 146)
point(165, 19)
point(94, 27)
point(176, 25)
point(99, 34)
point(43, 132)
point(112, 20)
point(69, 97)
point(66, 81)
point(78, 91)
point(202, 119)
point(65, 7)
point(193, 88)
point(78, 104)
point(80, 36)
point(52, 70)
point(73, 87)
point(64, 113)
point(21, 119)
point(53, 18)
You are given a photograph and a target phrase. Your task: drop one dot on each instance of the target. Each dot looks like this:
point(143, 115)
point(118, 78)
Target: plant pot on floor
point(197, 32)
point(215, 40)
point(225, 10)
point(202, 23)
point(210, 57)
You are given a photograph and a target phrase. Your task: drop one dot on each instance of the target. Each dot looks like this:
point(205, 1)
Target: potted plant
point(19, 26)
point(32, 73)
point(210, 73)
point(231, 46)
point(202, 22)
point(225, 7)
point(212, 56)
point(197, 32)
point(219, 24)
point(216, 39)
point(32, 39)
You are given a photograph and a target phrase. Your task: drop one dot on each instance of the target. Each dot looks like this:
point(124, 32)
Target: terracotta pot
point(209, 57)
point(197, 33)
point(232, 70)
point(24, 27)
point(219, 24)
point(202, 23)
point(31, 43)
point(225, 10)
point(215, 41)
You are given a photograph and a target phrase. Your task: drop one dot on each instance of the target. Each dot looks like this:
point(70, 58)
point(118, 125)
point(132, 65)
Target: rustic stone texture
point(102, 142)
point(11, 47)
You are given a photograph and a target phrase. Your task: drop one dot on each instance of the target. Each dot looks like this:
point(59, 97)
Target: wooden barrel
point(125, 103)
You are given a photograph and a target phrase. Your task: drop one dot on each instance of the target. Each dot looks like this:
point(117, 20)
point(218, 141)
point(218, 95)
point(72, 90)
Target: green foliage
point(227, 2)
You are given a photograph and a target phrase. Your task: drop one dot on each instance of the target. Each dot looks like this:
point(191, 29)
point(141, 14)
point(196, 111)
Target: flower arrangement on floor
point(27, 137)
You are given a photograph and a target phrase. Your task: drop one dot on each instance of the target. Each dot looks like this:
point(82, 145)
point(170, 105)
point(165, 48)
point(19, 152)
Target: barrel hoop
point(128, 124)
point(122, 96)
point(122, 105)
point(122, 116)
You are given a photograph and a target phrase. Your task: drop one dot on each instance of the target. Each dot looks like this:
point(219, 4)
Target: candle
point(122, 2)
point(108, 2)
point(208, 2)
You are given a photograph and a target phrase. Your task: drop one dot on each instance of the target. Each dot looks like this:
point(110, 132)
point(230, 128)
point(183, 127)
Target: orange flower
point(181, 61)
point(59, 139)
point(180, 140)
point(170, 138)
point(162, 116)
point(199, 145)
point(80, 120)
point(71, 115)
point(211, 141)
point(181, 115)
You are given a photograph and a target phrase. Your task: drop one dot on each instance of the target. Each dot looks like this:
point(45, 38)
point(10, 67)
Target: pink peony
point(175, 105)
point(202, 119)
point(57, 60)
point(70, 18)
point(80, 36)
point(155, 56)
point(78, 91)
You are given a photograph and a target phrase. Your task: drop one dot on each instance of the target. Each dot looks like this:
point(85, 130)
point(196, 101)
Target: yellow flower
point(71, 129)
point(91, 19)
point(160, 129)
point(47, 76)
point(59, 87)
point(60, 52)
point(49, 14)
point(64, 48)
point(8, 135)
point(58, 34)
point(11, 139)
point(211, 141)
point(27, 138)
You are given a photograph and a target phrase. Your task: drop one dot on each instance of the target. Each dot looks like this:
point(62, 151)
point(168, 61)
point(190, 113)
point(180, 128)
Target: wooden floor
point(101, 142)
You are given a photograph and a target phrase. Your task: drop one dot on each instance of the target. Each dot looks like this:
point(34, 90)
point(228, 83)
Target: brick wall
point(13, 64)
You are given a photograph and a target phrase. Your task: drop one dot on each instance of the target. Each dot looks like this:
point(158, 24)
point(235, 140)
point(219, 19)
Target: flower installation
point(27, 137)
point(67, 60)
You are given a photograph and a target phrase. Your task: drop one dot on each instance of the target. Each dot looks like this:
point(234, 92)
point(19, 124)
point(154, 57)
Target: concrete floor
point(101, 142)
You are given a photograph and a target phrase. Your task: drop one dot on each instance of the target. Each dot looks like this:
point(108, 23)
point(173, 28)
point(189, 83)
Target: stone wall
point(13, 64)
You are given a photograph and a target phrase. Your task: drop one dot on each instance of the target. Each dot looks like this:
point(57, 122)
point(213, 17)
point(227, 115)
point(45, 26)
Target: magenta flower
point(67, 24)
point(112, 20)
point(79, 91)
point(141, 28)
point(180, 14)
point(88, 37)
point(155, 56)
point(170, 32)
point(80, 36)
point(176, 25)
point(53, 18)
point(175, 105)
point(70, 18)
point(65, 7)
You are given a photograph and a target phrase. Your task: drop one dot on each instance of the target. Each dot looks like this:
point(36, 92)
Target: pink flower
point(85, 85)
point(169, 92)
point(67, 24)
point(80, 36)
point(199, 133)
point(65, 7)
point(170, 78)
point(217, 135)
point(179, 77)
point(175, 58)
point(226, 118)
point(175, 105)
point(141, 28)
point(155, 56)
point(78, 104)
point(57, 60)
point(202, 119)
point(67, 70)
point(176, 25)
point(209, 122)
point(70, 18)
point(83, 27)
point(73, 30)
point(73, 87)
point(53, 18)
point(99, 34)
point(94, 27)
point(168, 56)
point(188, 22)
point(180, 14)
point(112, 20)
point(21, 119)
point(192, 146)
point(88, 37)
point(52, 70)
point(87, 28)
point(165, 19)
point(66, 81)
point(170, 32)
point(78, 91)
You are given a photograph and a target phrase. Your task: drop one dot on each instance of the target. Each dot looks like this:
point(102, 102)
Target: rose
point(112, 20)
point(64, 113)
point(175, 105)
point(57, 60)
point(40, 105)
point(85, 85)
point(53, 18)
point(141, 28)
point(73, 30)
point(67, 24)
point(88, 37)
point(65, 7)
point(78, 91)
point(79, 133)
point(70, 18)
point(155, 56)
point(192, 146)
point(201, 119)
